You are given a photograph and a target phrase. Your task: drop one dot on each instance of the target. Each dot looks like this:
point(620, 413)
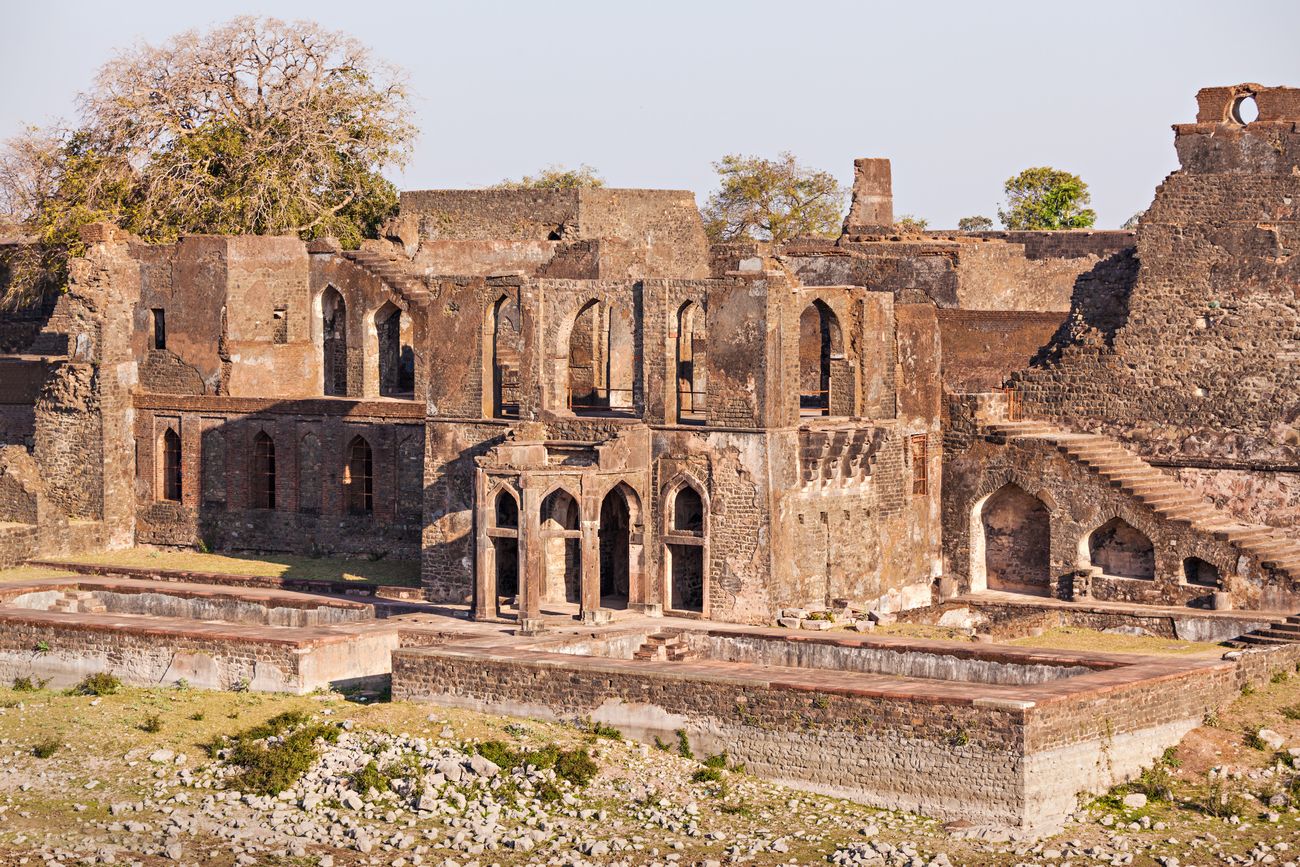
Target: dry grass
point(31, 573)
point(1078, 638)
point(399, 573)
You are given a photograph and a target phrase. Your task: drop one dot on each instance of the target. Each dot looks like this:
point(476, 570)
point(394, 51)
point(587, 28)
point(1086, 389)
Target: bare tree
point(257, 126)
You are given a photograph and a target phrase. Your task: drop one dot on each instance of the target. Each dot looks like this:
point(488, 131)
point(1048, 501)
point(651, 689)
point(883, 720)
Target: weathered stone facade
point(569, 398)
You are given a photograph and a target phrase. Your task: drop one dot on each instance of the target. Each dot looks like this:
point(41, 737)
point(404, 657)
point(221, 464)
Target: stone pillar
point(590, 611)
point(872, 208)
point(531, 557)
point(485, 591)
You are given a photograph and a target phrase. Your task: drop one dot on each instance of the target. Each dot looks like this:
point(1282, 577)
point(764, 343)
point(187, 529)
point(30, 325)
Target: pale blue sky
point(959, 95)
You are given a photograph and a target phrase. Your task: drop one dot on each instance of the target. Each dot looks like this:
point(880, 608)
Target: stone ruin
point(569, 403)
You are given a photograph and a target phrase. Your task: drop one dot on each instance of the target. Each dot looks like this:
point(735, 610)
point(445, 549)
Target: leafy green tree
point(258, 126)
point(772, 200)
point(555, 177)
point(1047, 198)
point(974, 224)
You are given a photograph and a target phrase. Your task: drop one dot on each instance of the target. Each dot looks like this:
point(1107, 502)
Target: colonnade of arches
point(593, 559)
point(1011, 542)
point(599, 351)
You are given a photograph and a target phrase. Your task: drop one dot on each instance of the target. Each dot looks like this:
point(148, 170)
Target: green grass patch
point(268, 767)
point(101, 683)
point(46, 747)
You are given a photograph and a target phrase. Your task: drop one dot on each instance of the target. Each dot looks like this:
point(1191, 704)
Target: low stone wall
point(1002, 619)
point(66, 647)
point(986, 754)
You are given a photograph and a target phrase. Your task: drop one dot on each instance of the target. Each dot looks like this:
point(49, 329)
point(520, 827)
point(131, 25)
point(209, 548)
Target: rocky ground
point(181, 776)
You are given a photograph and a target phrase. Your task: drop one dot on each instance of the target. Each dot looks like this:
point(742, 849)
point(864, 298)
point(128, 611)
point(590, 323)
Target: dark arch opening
point(396, 355)
point(1017, 542)
point(172, 472)
point(615, 550)
point(1122, 551)
point(688, 511)
point(334, 328)
point(1202, 574)
point(690, 365)
point(359, 478)
point(261, 487)
point(819, 345)
point(506, 548)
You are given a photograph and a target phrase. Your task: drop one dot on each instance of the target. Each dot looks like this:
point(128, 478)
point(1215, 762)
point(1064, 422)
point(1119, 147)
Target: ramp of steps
point(391, 270)
point(663, 647)
point(1122, 469)
point(838, 455)
point(1282, 632)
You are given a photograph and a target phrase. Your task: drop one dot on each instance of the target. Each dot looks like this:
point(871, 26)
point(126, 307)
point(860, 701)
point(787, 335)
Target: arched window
point(1121, 550)
point(396, 355)
point(261, 483)
point(507, 512)
point(502, 359)
point(690, 365)
point(358, 478)
point(684, 550)
point(820, 345)
point(170, 482)
point(334, 328)
point(506, 545)
point(688, 511)
point(602, 360)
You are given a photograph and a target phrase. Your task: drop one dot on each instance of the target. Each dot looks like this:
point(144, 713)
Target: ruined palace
point(571, 409)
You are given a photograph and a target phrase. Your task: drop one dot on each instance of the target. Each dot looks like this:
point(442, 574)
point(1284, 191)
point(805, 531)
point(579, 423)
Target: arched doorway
point(820, 344)
point(1120, 550)
point(1016, 532)
point(169, 481)
point(615, 549)
point(503, 359)
point(505, 545)
point(685, 551)
point(334, 343)
point(562, 548)
point(396, 354)
point(690, 365)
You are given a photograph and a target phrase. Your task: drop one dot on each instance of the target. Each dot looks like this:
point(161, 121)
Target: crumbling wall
point(1192, 370)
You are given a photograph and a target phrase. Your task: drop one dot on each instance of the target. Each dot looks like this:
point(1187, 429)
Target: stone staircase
point(840, 456)
point(1163, 495)
point(392, 271)
point(78, 602)
point(663, 647)
point(1282, 632)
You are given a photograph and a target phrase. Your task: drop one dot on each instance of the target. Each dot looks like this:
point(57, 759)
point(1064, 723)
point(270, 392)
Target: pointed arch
point(1012, 546)
point(396, 355)
point(689, 371)
point(359, 477)
point(504, 543)
point(502, 358)
point(561, 524)
point(820, 342)
point(261, 476)
point(685, 543)
point(334, 342)
point(1121, 550)
point(171, 472)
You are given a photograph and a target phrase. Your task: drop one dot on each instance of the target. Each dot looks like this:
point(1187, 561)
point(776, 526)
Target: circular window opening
point(1244, 110)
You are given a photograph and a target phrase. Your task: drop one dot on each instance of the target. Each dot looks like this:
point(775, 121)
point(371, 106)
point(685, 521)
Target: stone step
point(1259, 638)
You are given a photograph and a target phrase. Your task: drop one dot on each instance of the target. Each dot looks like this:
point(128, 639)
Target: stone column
point(590, 611)
point(485, 597)
point(531, 557)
